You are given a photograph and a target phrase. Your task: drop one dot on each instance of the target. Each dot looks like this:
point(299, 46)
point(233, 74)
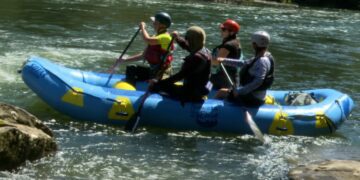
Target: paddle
point(111, 70)
point(132, 124)
point(254, 128)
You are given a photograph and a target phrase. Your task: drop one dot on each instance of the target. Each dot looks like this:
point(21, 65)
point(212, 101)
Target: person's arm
point(186, 70)
point(133, 58)
point(181, 41)
point(221, 53)
point(261, 69)
point(146, 37)
point(232, 62)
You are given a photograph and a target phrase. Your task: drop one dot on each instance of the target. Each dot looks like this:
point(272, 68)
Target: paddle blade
point(254, 128)
point(132, 124)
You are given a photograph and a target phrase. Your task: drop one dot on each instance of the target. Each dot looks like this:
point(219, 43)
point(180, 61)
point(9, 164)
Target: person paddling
point(256, 75)
point(157, 47)
point(195, 71)
point(229, 48)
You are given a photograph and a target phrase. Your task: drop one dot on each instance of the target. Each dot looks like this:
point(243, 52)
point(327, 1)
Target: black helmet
point(163, 17)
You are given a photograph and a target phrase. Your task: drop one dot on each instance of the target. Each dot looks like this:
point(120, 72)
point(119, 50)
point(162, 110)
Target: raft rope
point(332, 126)
point(343, 116)
point(329, 123)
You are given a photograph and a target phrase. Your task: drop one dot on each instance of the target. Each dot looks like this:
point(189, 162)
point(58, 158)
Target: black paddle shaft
point(122, 54)
point(127, 47)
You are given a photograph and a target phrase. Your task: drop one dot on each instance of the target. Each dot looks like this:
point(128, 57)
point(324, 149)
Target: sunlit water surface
point(313, 49)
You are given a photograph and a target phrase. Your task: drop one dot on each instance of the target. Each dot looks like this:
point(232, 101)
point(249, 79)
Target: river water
point(314, 48)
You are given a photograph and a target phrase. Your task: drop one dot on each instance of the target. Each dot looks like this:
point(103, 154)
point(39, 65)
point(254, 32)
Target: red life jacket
point(154, 54)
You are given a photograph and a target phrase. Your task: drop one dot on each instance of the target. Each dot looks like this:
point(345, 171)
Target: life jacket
point(197, 82)
point(232, 44)
point(154, 54)
point(218, 77)
point(246, 77)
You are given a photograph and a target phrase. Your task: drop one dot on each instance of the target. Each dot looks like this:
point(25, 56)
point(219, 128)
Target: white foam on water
point(7, 76)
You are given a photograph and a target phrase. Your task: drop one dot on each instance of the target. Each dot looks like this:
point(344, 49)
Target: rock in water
point(330, 169)
point(22, 137)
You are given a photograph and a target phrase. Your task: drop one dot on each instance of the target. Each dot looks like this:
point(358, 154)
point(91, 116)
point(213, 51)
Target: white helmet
point(261, 38)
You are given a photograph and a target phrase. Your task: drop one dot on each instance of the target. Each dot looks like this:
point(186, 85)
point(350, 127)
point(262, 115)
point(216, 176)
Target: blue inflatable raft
point(90, 96)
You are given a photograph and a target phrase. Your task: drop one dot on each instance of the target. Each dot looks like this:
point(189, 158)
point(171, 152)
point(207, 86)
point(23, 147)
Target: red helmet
point(231, 25)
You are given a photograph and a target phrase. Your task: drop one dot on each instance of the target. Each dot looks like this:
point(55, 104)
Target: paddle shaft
point(254, 128)
point(133, 123)
point(120, 57)
point(126, 48)
point(227, 76)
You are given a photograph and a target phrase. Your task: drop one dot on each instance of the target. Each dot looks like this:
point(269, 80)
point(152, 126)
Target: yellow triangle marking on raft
point(121, 109)
point(281, 125)
point(320, 120)
point(179, 83)
point(74, 97)
point(270, 100)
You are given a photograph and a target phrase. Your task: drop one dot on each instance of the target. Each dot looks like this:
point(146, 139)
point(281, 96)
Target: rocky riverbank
point(22, 137)
point(330, 169)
